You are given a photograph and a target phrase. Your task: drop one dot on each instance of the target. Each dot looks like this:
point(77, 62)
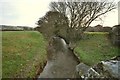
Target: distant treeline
point(99, 28)
point(15, 28)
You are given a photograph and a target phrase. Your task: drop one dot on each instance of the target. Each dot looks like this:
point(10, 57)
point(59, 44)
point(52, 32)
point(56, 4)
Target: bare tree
point(70, 19)
point(82, 14)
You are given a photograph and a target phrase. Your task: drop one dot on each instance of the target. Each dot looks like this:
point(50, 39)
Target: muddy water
point(62, 63)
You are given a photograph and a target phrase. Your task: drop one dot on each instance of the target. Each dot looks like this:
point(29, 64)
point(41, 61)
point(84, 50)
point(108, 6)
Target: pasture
point(95, 47)
point(23, 52)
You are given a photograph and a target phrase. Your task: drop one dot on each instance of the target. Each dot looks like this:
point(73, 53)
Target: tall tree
point(81, 14)
point(70, 19)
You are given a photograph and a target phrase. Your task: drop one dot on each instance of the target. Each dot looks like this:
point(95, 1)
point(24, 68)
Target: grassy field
point(95, 47)
point(23, 52)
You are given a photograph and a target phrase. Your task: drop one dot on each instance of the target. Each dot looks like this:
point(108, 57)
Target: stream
point(61, 62)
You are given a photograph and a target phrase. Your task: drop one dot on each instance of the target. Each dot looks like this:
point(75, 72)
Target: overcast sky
point(27, 13)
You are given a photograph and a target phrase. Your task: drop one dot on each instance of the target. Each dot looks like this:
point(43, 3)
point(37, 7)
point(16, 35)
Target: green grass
point(21, 49)
point(95, 47)
point(24, 51)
